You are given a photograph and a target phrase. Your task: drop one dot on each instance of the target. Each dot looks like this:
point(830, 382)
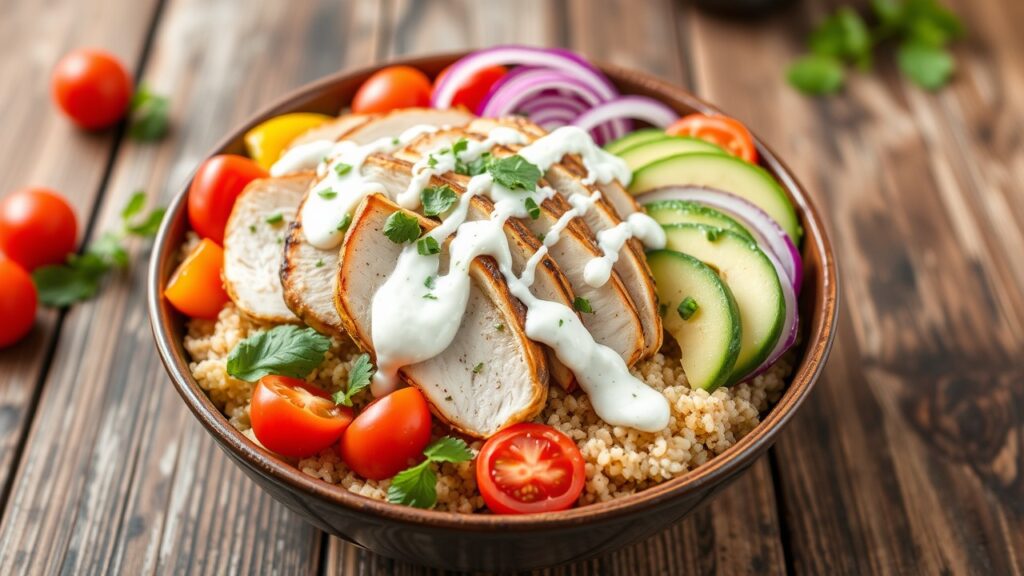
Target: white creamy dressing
point(637, 225)
point(408, 326)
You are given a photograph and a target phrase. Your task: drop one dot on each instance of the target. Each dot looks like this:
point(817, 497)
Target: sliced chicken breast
point(332, 130)
point(308, 279)
point(488, 378)
point(254, 244)
point(393, 124)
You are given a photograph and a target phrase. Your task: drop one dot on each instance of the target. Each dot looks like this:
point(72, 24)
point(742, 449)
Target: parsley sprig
point(79, 279)
point(514, 172)
point(417, 486)
point(401, 227)
point(437, 200)
point(922, 30)
point(282, 351)
point(359, 377)
point(149, 115)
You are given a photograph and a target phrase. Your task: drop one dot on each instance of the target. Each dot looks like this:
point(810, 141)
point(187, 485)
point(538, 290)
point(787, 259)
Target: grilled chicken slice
point(253, 242)
point(614, 192)
point(332, 130)
point(614, 321)
point(308, 279)
point(549, 282)
point(488, 378)
point(393, 124)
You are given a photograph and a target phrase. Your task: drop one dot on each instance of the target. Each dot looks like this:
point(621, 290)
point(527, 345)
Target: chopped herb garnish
point(359, 376)
point(275, 218)
point(514, 173)
point(475, 167)
point(541, 237)
point(499, 327)
point(427, 246)
point(401, 227)
point(395, 141)
point(429, 282)
point(345, 223)
point(417, 486)
point(560, 322)
point(320, 263)
point(252, 228)
point(581, 304)
point(459, 147)
point(532, 209)
point(437, 199)
point(662, 309)
point(478, 368)
point(341, 168)
point(431, 161)
point(429, 296)
point(687, 308)
point(283, 351)
point(149, 115)
point(327, 194)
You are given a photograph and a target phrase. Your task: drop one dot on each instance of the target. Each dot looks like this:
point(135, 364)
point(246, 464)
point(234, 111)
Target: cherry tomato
point(18, 302)
point(294, 418)
point(529, 468)
point(92, 88)
point(724, 131)
point(266, 141)
point(37, 227)
point(196, 288)
point(388, 435)
point(392, 88)
point(472, 94)
point(213, 192)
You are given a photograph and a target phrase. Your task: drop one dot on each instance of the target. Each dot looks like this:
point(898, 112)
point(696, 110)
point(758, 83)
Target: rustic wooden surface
point(907, 459)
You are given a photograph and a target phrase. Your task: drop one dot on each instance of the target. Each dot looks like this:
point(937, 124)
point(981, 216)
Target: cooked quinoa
point(619, 460)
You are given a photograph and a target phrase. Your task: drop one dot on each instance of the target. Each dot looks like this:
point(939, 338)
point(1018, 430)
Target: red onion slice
point(766, 231)
point(634, 107)
point(791, 324)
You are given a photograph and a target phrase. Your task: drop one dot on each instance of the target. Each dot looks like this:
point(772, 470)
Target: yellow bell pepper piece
point(266, 141)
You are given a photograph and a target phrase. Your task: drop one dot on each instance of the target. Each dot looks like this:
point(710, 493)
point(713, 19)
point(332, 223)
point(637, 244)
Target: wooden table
point(907, 459)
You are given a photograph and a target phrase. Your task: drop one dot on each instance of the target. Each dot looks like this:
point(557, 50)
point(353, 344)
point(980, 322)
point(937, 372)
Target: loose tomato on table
point(529, 468)
point(18, 301)
point(196, 288)
point(266, 141)
point(294, 418)
point(92, 88)
point(37, 227)
point(473, 92)
point(387, 435)
point(392, 88)
point(213, 192)
point(724, 131)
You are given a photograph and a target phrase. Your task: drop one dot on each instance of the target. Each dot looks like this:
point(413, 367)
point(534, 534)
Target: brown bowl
point(485, 541)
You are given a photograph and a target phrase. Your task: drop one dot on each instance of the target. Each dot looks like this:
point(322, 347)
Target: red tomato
point(724, 131)
point(18, 302)
point(472, 94)
point(216, 185)
point(388, 435)
point(294, 418)
point(92, 88)
point(196, 288)
point(392, 88)
point(37, 227)
point(529, 468)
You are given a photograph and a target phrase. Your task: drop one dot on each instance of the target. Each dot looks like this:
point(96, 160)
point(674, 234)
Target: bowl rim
point(717, 469)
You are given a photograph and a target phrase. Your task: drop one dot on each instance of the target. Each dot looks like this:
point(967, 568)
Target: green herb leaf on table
point(63, 285)
point(844, 36)
point(149, 115)
point(282, 351)
point(359, 377)
point(417, 486)
point(927, 66)
point(814, 74)
point(514, 173)
point(401, 227)
point(437, 200)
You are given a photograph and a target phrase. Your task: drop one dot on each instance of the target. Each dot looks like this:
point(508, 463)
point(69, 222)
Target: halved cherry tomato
point(92, 88)
point(37, 227)
point(196, 288)
point(213, 192)
point(529, 468)
point(294, 418)
point(392, 88)
point(724, 131)
point(472, 93)
point(18, 300)
point(388, 435)
point(266, 141)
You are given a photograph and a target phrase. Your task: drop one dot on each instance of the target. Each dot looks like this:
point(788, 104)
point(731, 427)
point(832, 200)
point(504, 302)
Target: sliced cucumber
point(709, 337)
point(725, 173)
point(649, 151)
point(750, 276)
point(634, 138)
point(686, 212)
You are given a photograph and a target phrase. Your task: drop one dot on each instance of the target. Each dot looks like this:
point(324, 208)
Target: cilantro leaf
point(149, 115)
point(581, 304)
point(460, 146)
point(283, 350)
point(437, 199)
point(63, 285)
point(428, 246)
point(814, 74)
point(401, 227)
point(514, 172)
point(474, 167)
point(359, 377)
point(448, 449)
point(417, 486)
point(927, 66)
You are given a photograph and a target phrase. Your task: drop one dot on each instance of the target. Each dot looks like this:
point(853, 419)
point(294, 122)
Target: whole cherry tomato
point(92, 88)
point(196, 288)
point(724, 131)
point(18, 301)
point(294, 418)
point(37, 227)
point(388, 435)
point(213, 192)
point(472, 93)
point(392, 88)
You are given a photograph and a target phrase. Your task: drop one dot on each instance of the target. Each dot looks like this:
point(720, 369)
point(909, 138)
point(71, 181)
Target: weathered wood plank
point(116, 476)
point(42, 148)
point(907, 458)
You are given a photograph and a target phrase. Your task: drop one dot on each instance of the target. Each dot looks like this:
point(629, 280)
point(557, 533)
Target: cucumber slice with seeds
point(687, 212)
